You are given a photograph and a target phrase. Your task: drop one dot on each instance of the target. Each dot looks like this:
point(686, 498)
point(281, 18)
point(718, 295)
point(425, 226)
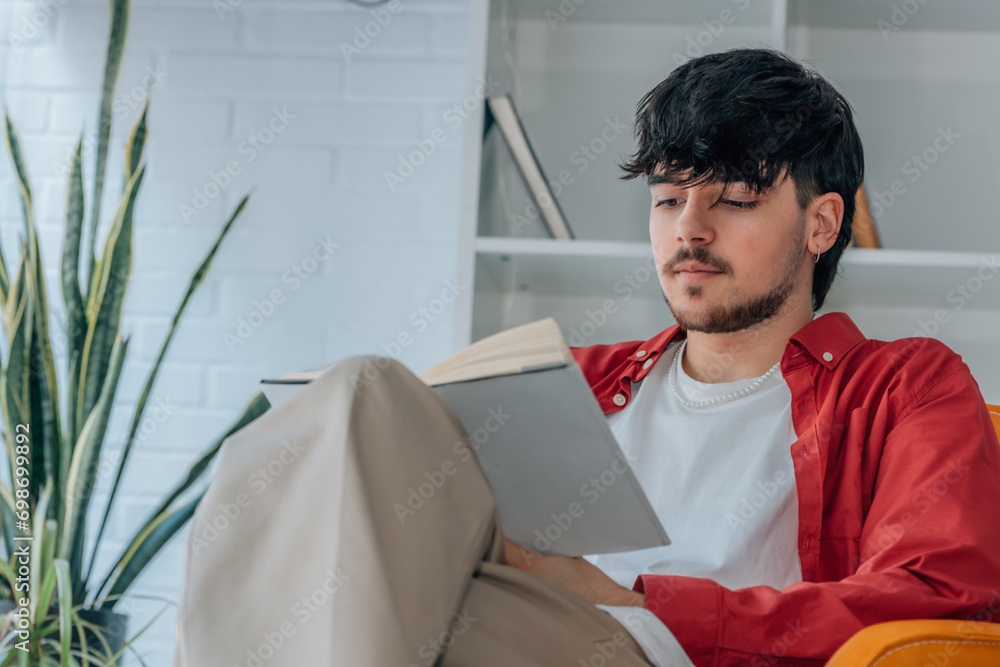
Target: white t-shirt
point(722, 482)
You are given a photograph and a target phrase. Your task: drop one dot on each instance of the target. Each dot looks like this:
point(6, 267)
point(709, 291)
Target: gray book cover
point(561, 482)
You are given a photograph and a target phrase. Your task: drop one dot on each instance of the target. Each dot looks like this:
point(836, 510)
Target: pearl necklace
point(752, 387)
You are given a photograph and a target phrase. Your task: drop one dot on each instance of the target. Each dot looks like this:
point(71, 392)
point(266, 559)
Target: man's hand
point(576, 574)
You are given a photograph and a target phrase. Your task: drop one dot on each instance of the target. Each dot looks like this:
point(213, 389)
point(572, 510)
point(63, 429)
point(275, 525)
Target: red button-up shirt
point(897, 471)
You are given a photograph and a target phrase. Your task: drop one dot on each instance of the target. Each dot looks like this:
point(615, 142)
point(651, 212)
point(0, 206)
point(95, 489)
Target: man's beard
point(728, 318)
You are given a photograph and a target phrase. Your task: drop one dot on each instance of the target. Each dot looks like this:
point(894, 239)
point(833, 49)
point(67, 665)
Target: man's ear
point(827, 216)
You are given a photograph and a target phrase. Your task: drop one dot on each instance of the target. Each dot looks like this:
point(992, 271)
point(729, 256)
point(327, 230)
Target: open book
point(561, 482)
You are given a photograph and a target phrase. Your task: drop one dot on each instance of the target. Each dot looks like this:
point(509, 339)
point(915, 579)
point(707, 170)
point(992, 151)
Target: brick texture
point(305, 104)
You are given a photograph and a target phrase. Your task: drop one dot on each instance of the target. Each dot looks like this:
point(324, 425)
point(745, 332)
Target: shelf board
point(640, 11)
point(917, 278)
point(887, 257)
point(572, 268)
point(876, 14)
point(919, 258)
point(555, 247)
point(890, 277)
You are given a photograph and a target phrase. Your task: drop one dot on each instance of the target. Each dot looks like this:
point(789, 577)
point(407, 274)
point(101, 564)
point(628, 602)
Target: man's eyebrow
point(656, 179)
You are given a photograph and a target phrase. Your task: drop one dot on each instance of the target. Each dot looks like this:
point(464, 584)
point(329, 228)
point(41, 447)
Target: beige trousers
point(353, 526)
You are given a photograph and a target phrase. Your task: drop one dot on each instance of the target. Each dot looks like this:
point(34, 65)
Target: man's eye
point(740, 204)
point(671, 202)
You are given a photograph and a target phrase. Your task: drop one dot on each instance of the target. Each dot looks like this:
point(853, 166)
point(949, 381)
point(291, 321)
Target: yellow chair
point(923, 643)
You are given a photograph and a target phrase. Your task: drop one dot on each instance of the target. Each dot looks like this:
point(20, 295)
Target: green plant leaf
point(92, 287)
point(47, 434)
point(65, 608)
point(24, 190)
point(38, 553)
point(146, 544)
point(19, 366)
point(99, 633)
point(7, 529)
point(76, 318)
point(14, 295)
point(42, 599)
point(196, 280)
point(112, 65)
point(6, 641)
point(22, 177)
point(7, 572)
point(136, 142)
point(14, 384)
point(83, 469)
point(258, 405)
point(128, 644)
point(104, 306)
point(46, 560)
point(6, 495)
point(6, 518)
point(19, 332)
point(81, 633)
point(67, 459)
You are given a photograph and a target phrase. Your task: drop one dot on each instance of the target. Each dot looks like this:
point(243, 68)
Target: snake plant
point(53, 432)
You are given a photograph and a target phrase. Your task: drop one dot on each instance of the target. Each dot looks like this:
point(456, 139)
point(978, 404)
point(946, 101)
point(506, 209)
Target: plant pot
point(114, 624)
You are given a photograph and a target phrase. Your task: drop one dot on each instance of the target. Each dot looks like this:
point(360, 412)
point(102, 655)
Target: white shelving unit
point(925, 87)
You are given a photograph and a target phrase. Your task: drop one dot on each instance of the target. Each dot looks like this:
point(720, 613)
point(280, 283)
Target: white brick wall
point(320, 176)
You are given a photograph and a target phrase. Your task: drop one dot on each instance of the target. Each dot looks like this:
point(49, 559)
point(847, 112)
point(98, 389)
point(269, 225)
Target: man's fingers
point(512, 552)
point(516, 555)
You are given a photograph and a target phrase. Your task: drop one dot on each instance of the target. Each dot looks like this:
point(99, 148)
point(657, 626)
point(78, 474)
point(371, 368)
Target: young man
point(813, 481)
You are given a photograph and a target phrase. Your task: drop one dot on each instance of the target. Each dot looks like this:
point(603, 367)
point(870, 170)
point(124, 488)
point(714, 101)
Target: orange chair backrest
point(995, 416)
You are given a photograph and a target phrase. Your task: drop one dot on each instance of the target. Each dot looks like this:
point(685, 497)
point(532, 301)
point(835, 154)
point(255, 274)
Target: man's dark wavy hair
point(745, 115)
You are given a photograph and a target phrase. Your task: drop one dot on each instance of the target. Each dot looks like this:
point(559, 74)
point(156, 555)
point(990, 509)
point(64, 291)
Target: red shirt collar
point(827, 338)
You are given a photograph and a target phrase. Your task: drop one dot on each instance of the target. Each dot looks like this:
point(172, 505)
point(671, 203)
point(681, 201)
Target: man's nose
point(694, 224)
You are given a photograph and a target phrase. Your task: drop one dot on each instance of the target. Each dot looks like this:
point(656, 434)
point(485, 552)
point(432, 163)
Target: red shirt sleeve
point(929, 545)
